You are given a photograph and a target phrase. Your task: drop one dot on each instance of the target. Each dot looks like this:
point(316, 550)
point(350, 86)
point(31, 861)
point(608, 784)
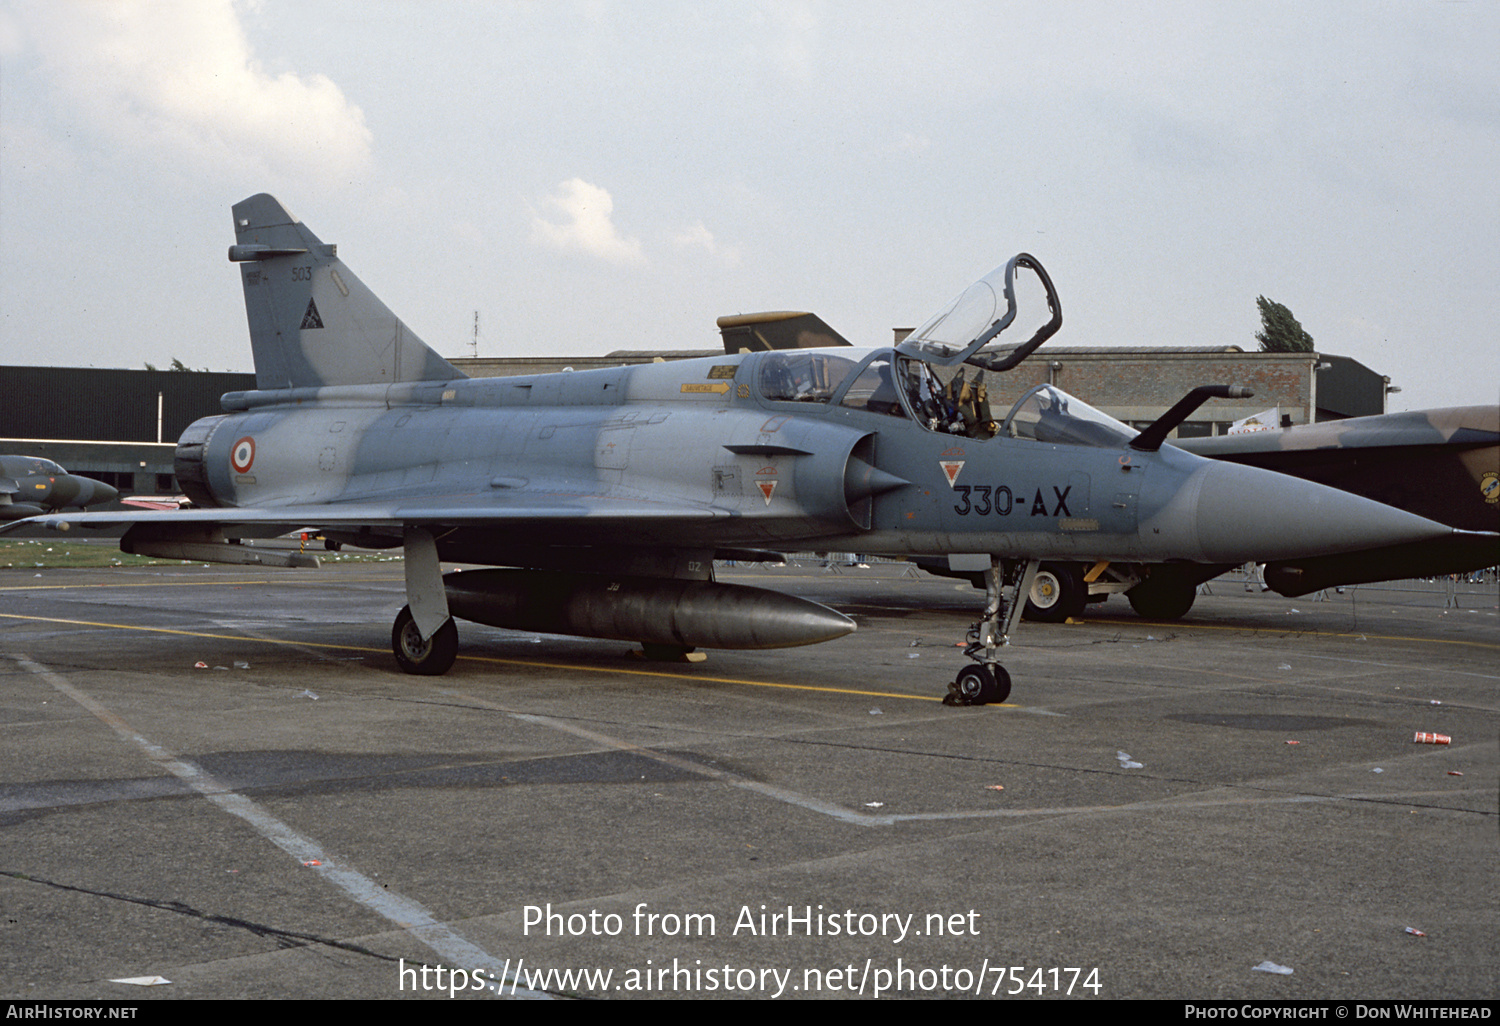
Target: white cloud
point(696, 236)
point(587, 226)
point(177, 80)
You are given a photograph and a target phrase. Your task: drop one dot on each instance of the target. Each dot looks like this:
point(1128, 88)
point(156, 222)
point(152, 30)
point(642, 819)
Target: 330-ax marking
point(984, 500)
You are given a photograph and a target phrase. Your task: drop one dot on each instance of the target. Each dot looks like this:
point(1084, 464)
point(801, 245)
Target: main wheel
point(659, 653)
point(977, 685)
point(1157, 599)
point(1057, 592)
point(431, 658)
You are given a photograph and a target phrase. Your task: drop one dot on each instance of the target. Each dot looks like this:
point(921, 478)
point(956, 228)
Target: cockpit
point(801, 375)
point(946, 400)
point(21, 465)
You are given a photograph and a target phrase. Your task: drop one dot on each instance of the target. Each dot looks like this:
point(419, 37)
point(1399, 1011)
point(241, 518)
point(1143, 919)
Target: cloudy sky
point(593, 176)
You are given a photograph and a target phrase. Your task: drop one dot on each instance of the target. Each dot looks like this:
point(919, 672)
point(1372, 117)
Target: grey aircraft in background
point(608, 494)
point(30, 485)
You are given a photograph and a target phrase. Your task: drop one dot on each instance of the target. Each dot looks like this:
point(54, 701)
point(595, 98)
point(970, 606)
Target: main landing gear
point(426, 610)
point(431, 658)
point(1058, 592)
point(1007, 583)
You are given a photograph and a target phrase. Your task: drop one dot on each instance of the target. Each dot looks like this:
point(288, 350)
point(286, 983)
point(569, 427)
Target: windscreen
point(1048, 414)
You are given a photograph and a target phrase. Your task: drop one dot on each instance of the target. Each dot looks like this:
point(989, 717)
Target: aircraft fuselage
point(702, 435)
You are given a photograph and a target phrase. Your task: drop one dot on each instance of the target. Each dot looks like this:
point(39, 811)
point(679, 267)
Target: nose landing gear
point(1006, 585)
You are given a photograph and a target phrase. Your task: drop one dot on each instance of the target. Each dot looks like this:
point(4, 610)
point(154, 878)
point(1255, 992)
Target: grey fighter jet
point(608, 494)
point(30, 485)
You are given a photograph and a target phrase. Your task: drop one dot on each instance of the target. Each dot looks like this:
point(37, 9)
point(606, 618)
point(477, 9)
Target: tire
point(1057, 592)
point(977, 685)
point(1157, 599)
point(431, 658)
point(1002, 684)
point(659, 653)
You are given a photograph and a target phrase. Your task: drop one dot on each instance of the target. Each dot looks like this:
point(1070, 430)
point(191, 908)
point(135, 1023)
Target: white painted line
point(866, 819)
point(409, 915)
point(779, 794)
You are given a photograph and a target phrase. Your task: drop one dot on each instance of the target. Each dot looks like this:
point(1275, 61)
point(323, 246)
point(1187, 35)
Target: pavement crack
point(282, 938)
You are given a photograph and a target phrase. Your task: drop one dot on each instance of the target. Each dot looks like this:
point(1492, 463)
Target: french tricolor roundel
point(242, 455)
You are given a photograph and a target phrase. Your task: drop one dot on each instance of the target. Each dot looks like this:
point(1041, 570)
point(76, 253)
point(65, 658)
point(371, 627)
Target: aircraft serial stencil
point(602, 498)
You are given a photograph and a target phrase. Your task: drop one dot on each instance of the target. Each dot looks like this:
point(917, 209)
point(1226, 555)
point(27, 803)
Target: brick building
point(1138, 384)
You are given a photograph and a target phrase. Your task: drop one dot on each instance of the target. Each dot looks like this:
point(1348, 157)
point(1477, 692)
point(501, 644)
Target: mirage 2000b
point(609, 493)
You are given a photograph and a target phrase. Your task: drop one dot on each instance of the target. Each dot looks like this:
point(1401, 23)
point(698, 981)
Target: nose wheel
point(1007, 583)
point(979, 684)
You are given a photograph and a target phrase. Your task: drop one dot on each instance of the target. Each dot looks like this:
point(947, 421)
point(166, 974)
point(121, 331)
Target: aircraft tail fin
point(780, 330)
point(312, 322)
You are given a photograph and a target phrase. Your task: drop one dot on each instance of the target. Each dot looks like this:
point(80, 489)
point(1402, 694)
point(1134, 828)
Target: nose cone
point(97, 492)
point(73, 490)
point(1232, 514)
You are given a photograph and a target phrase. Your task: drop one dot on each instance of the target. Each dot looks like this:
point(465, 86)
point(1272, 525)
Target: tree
point(1280, 332)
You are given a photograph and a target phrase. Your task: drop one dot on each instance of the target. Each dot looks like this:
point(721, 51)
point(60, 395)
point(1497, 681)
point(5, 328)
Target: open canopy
point(978, 316)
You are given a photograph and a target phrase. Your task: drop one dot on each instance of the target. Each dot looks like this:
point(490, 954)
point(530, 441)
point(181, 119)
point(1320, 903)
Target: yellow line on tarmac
point(215, 583)
point(499, 660)
point(698, 679)
point(170, 630)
